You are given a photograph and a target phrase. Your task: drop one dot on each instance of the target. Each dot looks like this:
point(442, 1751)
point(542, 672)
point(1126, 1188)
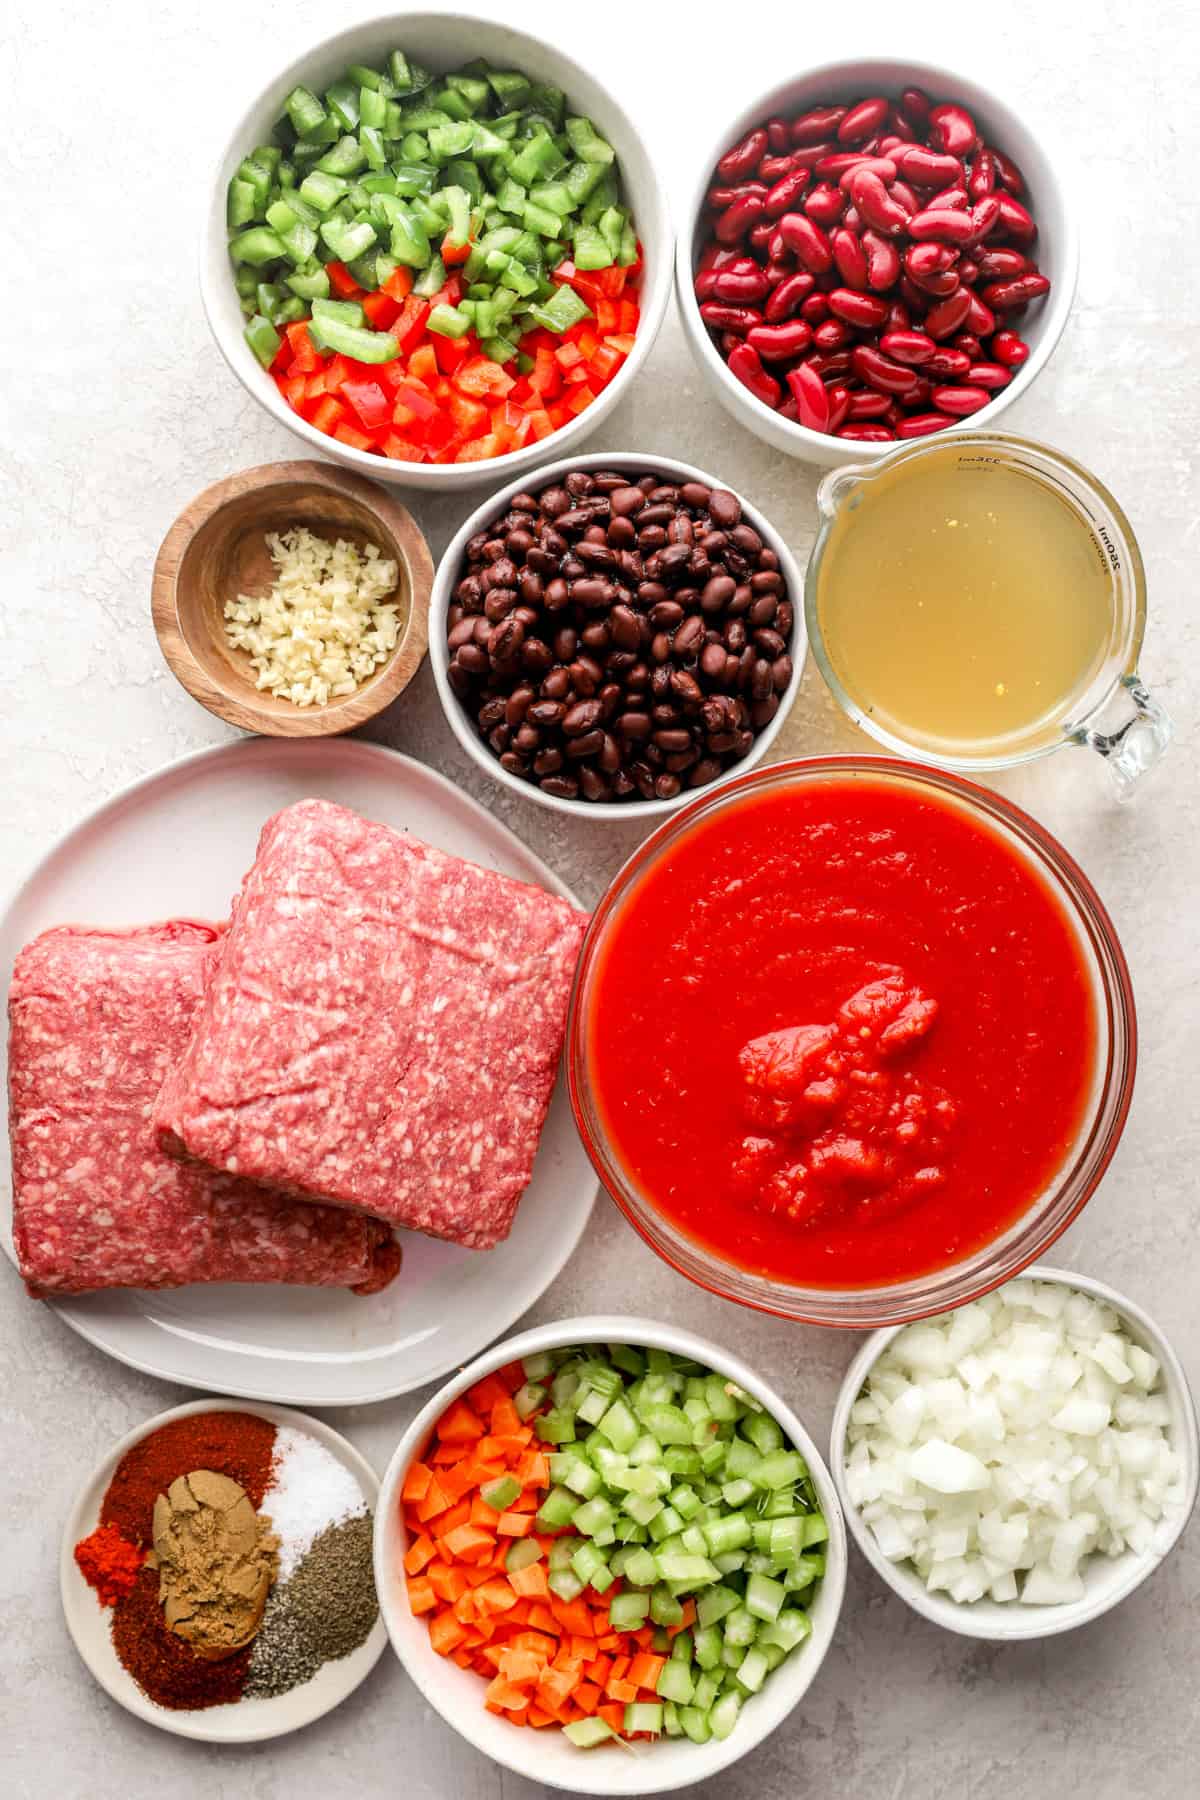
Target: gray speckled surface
point(116, 409)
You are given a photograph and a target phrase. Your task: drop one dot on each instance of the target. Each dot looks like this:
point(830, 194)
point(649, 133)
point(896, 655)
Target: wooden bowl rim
point(241, 706)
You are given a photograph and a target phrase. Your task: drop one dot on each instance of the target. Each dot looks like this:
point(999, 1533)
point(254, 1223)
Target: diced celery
point(528, 1397)
point(665, 1609)
point(500, 1493)
point(736, 1493)
point(728, 1533)
point(724, 1715)
point(585, 1734)
point(537, 1365)
point(695, 1724)
point(682, 1566)
point(627, 1612)
point(644, 1715)
point(706, 1690)
point(764, 1597)
point(780, 1469)
point(593, 1516)
point(706, 1645)
point(641, 1568)
point(566, 1584)
point(675, 1682)
point(557, 1509)
point(740, 1626)
point(671, 1725)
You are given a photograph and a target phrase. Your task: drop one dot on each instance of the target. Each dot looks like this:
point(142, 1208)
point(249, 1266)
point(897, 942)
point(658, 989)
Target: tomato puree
point(843, 1035)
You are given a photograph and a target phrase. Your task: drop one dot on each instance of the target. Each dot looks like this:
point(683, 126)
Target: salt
point(310, 1490)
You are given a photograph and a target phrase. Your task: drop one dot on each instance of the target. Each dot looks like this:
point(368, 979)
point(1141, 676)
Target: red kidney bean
point(825, 203)
point(876, 205)
point(737, 219)
point(702, 284)
point(1007, 173)
point(904, 195)
point(850, 257)
point(1005, 295)
point(947, 364)
point(720, 198)
point(898, 318)
point(879, 371)
point(788, 296)
point(928, 259)
point(778, 135)
point(918, 400)
point(883, 166)
point(952, 129)
point(862, 121)
point(967, 271)
point(814, 309)
point(816, 124)
point(729, 343)
point(944, 319)
point(805, 239)
point(785, 193)
point(866, 434)
point(891, 140)
point(982, 178)
point(866, 311)
point(913, 347)
point(883, 261)
point(960, 401)
point(941, 226)
point(772, 168)
point(900, 125)
point(913, 296)
point(747, 366)
point(831, 334)
point(760, 237)
point(981, 320)
point(951, 199)
point(740, 287)
point(1015, 221)
point(837, 163)
point(1009, 349)
point(839, 404)
point(996, 264)
point(779, 271)
point(779, 343)
point(915, 105)
point(985, 216)
point(740, 319)
point(851, 219)
point(812, 402)
point(968, 344)
point(928, 168)
point(922, 424)
point(868, 403)
point(990, 375)
point(829, 365)
point(938, 285)
point(745, 156)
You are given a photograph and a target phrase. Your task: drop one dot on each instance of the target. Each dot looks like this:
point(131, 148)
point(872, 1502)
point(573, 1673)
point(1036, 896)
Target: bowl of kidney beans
point(616, 633)
point(875, 251)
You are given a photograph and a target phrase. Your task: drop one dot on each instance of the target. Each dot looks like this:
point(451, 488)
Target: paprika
point(108, 1563)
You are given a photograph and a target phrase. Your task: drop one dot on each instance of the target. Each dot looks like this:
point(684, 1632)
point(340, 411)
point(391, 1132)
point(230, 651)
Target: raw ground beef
point(96, 1020)
point(382, 1028)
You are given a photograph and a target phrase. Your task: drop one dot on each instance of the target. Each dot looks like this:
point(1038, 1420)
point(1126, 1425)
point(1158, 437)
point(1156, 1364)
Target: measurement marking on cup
point(1110, 547)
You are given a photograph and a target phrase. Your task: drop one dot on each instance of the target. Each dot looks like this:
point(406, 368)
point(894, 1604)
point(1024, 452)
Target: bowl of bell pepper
point(426, 266)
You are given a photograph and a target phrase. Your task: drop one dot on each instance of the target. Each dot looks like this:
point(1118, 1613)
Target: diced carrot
point(645, 1670)
point(466, 1541)
point(504, 1418)
point(503, 1694)
point(421, 1551)
point(530, 1581)
point(519, 1665)
point(421, 1597)
point(587, 1696)
point(448, 1583)
point(599, 1670)
point(621, 1690)
point(540, 1719)
point(451, 1517)
point(459, 1424)
point(533, 1470)
point(487, 1393)
point(542, 1619)
point(613, 1714)
point(445, 1633)
point(514, 1524)
point(495, 1596)
point(434, 1501)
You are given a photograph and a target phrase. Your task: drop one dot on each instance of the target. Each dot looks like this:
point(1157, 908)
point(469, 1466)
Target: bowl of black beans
point(616, 633)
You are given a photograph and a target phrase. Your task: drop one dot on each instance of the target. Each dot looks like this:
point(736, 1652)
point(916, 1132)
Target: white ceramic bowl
point(442, 41)
point(90, 1624)
point(446, 580)
point(1057, 245)
point(547, 1756)
point(1107, 1581)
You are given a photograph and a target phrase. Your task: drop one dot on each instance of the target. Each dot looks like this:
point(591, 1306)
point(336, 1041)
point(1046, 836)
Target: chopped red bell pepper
point(342, 281)
point(408, 327)
point(380, 309)
point(369, 401)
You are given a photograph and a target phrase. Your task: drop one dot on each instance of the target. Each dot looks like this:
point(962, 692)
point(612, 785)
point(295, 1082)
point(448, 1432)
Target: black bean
point(587, 745)
point(581, 717)
point(724, 508)
point(695, 495)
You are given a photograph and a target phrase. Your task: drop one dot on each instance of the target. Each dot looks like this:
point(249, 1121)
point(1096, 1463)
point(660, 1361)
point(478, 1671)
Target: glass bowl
point(1048, 1215)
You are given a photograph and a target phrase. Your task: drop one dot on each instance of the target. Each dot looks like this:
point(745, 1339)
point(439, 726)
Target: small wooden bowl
point(217, 549)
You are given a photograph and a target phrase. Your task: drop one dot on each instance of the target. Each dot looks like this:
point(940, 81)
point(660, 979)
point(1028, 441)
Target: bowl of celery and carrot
point(610, 1556)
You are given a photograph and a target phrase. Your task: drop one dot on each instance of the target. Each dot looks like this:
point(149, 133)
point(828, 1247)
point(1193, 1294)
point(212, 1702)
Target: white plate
point(179, 841)
point(90, 1624)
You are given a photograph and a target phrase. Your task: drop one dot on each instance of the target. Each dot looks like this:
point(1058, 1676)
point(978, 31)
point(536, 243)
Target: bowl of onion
point(1017, 1467)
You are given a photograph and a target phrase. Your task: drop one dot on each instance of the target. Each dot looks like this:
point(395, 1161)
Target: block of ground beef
point(96, 1019)
point(382, 1028)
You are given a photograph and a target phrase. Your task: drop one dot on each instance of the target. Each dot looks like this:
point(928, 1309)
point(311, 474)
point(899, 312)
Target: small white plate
point(178, 842)
point(90, 1624)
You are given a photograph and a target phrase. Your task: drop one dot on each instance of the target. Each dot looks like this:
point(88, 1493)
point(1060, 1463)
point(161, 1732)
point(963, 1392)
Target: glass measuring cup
point(978, 601)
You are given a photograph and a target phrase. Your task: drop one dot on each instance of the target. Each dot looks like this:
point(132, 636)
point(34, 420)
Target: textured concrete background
point(116, 409)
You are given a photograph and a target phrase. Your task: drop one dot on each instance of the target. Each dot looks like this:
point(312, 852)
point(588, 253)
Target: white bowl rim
point(648, 462)
point(1034, 1621)
point(816, 445)
point(653, 295)
point(126, 1693)
point(716, 1755)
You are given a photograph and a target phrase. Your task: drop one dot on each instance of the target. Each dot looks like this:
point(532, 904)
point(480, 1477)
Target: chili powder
point(108, 1563)
point(164, 1667)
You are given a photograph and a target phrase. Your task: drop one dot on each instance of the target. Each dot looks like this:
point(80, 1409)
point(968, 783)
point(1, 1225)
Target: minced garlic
point(321, 629)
